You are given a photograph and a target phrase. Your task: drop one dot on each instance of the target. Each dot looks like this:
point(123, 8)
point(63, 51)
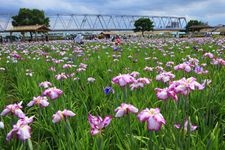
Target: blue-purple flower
point(108, 90)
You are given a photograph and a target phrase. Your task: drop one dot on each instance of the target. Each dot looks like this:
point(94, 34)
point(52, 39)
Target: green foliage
point(194, 23)
point(30, 17)
point(143, 24)
point(206, 107)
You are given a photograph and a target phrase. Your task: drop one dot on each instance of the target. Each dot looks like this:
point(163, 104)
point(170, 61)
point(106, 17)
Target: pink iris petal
point(139, 83)
point(61, 76)
point(122, 82)
point(136, 85)
point(57, 117)
point(144, 80)
point(44, 103)
point(199, 86)
point(153, 117)
point(24, 132)
point(184, 66)
point(11, 134)
point(192, 127)
point(40, 100)
point(144, 115)
point(185, 86)
point(135, 74)
point(19, 113)
point(125, 109)
point(31, 103)
point(173, 95)
point(94, 121)
point(106, 121)
point(153, 125)
point(187, 68)
point(21, 129)
point(132, 109)
point(45, 84)
point(120, 112)
point(5, 112)
point(52, 93)
point(68, 113)
point(186, 125)
point(165, 76)
point(162, 94)
point(26, 120)
point(15, 109)
point(177, 126)
point(159, 118)
point(95, 131)
point(97, 123)
point(123, 79)
point(60, 115)
point(1, 125)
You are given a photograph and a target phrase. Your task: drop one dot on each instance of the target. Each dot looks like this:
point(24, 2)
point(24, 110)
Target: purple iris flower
point(108, 90)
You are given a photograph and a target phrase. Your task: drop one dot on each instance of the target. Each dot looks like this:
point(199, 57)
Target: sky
point(210, 11)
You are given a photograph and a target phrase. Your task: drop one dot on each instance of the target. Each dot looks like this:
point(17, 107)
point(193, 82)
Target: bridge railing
point(97, 22)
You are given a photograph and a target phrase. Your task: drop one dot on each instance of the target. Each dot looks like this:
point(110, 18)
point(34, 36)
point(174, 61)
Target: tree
point(30, 17)
point(143, 24)
point(194, 23)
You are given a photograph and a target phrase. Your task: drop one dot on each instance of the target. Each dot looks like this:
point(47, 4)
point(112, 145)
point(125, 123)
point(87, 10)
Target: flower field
point(143, 94)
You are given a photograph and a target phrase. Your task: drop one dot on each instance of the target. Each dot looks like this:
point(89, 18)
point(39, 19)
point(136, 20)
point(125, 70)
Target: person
point(1, 40)
point(79, 39)
point(113, 38)
point(42, 38)
point(117, 40)
point(46, 37)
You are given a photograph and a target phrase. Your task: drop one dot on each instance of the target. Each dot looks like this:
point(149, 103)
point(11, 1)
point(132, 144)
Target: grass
point(206, 108)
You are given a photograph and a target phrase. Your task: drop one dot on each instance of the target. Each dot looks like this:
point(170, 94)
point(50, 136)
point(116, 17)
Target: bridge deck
point(97, 22)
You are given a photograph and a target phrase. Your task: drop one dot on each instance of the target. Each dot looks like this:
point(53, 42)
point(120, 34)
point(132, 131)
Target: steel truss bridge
point(97, 22)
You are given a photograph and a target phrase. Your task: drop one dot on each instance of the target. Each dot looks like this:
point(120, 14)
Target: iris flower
point(187, 124)
point(21, 129)
point(40, 100)
point(52, 93)
point(61, 115)
point(125, 109)
point(108, 90)
point(97, 123)
point(123, 80)
point(153, 117)
point(15, 109)
point(45, 84)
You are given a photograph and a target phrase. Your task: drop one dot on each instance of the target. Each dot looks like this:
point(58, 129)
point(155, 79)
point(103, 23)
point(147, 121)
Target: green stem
point(100, 142)
point(68, 127)
point(124, 94)
point(128, 120)
point(130, 131)
point(30, 145)
point(186, 109)
point(150, 141)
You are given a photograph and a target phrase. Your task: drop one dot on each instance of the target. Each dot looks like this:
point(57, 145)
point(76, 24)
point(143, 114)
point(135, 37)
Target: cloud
point(211, 11)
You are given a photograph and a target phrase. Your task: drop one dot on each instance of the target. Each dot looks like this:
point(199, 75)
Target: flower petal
point(153, 124)
point(107, 120)
point(24, 132)
point(120, 113)
point(94, 131)
point(144, 115)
